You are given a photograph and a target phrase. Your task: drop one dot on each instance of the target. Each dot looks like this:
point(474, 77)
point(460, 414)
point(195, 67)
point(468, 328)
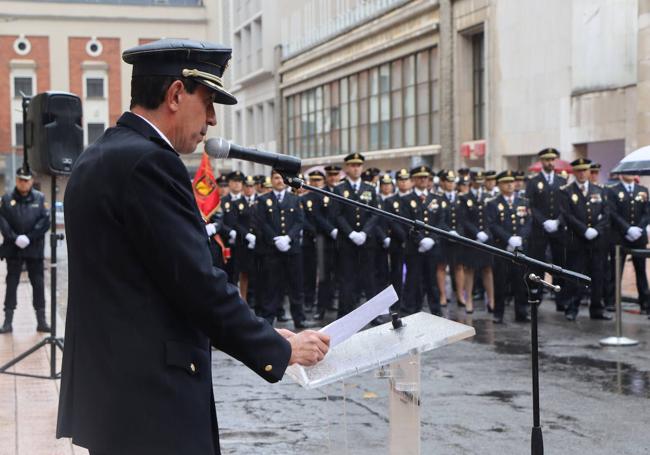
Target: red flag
point(206, 191)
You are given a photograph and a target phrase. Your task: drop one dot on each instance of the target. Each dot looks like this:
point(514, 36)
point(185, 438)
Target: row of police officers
point(307, 245)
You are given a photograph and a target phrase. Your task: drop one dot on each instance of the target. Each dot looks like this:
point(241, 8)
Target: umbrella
point(560, 165)
point(637, 163)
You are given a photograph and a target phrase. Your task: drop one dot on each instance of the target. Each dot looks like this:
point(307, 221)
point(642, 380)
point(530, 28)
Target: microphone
point(217, 147)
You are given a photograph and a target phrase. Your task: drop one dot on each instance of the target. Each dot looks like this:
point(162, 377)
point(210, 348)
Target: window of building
point(23, 86)
point(94, 131)
point(478, 87)
point(18, 131)
point(392, 105)
point(94, 87)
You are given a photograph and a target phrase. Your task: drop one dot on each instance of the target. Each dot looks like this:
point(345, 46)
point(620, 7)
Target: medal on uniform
point(621, 195)
point(444, 204)
point(500, 207)
point(241, 206)
point(309, 204)
point(346, 193)
point(396, 205)
point(326, 200)
point(574, 198)
point(13, 202)
point(366, 196)
point(469, 203)
point(413, 203)
point(643, 196)
point(521, 211)
point(269, 202)
point(540, 186)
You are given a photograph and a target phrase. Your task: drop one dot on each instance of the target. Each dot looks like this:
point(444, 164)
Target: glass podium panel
point(379, 346)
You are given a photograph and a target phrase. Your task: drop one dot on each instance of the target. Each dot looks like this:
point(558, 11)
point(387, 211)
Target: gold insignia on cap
point(540, 185)
point(269, 202)
point(574, 198)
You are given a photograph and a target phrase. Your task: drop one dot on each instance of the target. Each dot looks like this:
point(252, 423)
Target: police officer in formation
point(24, 220)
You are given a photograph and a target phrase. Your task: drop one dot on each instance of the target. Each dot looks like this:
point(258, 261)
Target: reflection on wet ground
point(612, 376)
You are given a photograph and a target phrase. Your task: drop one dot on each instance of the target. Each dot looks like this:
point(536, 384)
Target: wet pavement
point(476, 396)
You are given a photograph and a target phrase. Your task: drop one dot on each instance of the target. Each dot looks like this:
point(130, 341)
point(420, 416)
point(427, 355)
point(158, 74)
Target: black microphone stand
point(531, 280)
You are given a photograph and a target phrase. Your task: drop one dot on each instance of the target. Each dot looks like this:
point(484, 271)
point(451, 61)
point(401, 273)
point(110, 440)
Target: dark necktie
point(423, 197)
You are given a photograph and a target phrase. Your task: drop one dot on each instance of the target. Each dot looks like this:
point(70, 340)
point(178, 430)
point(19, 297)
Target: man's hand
point(515, 242)
point(308, 347)
point(210, 229)
point(232, 235)
point(251, 239)
point(22, 241)
point(334, 233)
point(551, 226)
point(482, 237)
point(386, 242)
point(425, 244)
point(286, 333)
point(591, 233)
point(634, 233)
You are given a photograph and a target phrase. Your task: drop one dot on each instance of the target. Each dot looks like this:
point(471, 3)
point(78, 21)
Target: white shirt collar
point(160, 133)
point(406, 193)
point(235, 197)
point(419, 192)
point(355, 182)
point(549, 176)
point(279, 194)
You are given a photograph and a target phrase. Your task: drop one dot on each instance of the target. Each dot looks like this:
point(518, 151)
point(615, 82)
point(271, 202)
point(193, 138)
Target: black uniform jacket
point(316, 220)
point(243, 219)
point(544, 201)
point(431, 211)
point(627, 210)
point(475, 219)
point(274, 219)
point(145, 303)
point(394, 229)
point(23, 215)
point(507, 220)
point(350, 218)
point(582, 212)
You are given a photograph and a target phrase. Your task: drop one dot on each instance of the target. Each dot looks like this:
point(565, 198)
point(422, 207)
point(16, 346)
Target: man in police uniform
point(476, 228)
point(520, 183)
point(24, 220)
point(421, 248)
point(280, 220)
point(594, 172)
point(586, 211)
point(356, 236)
point(228, 231)
point(630, 214)
point(510, 224)
point(146, 303)
point(491, 184)
point(543, 192)
point(317, 228)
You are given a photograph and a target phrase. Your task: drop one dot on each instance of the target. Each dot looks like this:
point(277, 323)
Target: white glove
point(22, 241)
point(386, 242)
point(591, 233)
point(634, 233)
point(426, 244)
point(358, 238)
point(210, 229)
point(282, 243)
point(482, 237)
point(250, 238)
point(233, 235)
point(453, 232)
point(334, 233)
point(551, 226)
point(514, 242)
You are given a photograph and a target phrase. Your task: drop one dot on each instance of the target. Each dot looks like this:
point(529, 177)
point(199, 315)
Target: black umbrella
point(636, 163)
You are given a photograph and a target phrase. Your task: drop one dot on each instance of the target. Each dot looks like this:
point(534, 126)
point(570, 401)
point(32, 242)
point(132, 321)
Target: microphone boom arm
point(516, 257)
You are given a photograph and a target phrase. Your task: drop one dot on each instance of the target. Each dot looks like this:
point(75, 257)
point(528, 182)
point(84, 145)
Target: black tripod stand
point(531, 281)
point(51, 339)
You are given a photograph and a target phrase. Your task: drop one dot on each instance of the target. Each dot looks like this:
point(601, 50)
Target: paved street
point(476, 396)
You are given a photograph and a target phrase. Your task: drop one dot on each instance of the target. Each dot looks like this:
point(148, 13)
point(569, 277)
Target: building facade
point(76, 46)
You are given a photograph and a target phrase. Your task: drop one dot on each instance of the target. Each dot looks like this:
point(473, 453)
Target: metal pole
point(619, 339)
point(53, 241)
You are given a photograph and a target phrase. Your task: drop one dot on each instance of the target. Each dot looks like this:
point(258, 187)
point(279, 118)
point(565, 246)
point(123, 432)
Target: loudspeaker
point(54, 132)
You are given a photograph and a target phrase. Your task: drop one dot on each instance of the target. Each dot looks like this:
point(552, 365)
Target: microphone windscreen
point(217, 147)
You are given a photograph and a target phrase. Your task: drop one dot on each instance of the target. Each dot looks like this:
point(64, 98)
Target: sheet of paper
point(343, 328)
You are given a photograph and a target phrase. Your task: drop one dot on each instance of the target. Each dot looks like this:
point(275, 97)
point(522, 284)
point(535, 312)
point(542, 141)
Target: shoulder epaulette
point(564, 187)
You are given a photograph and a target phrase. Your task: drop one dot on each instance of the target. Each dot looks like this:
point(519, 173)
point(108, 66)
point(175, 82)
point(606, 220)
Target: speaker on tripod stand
point(53, 138)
